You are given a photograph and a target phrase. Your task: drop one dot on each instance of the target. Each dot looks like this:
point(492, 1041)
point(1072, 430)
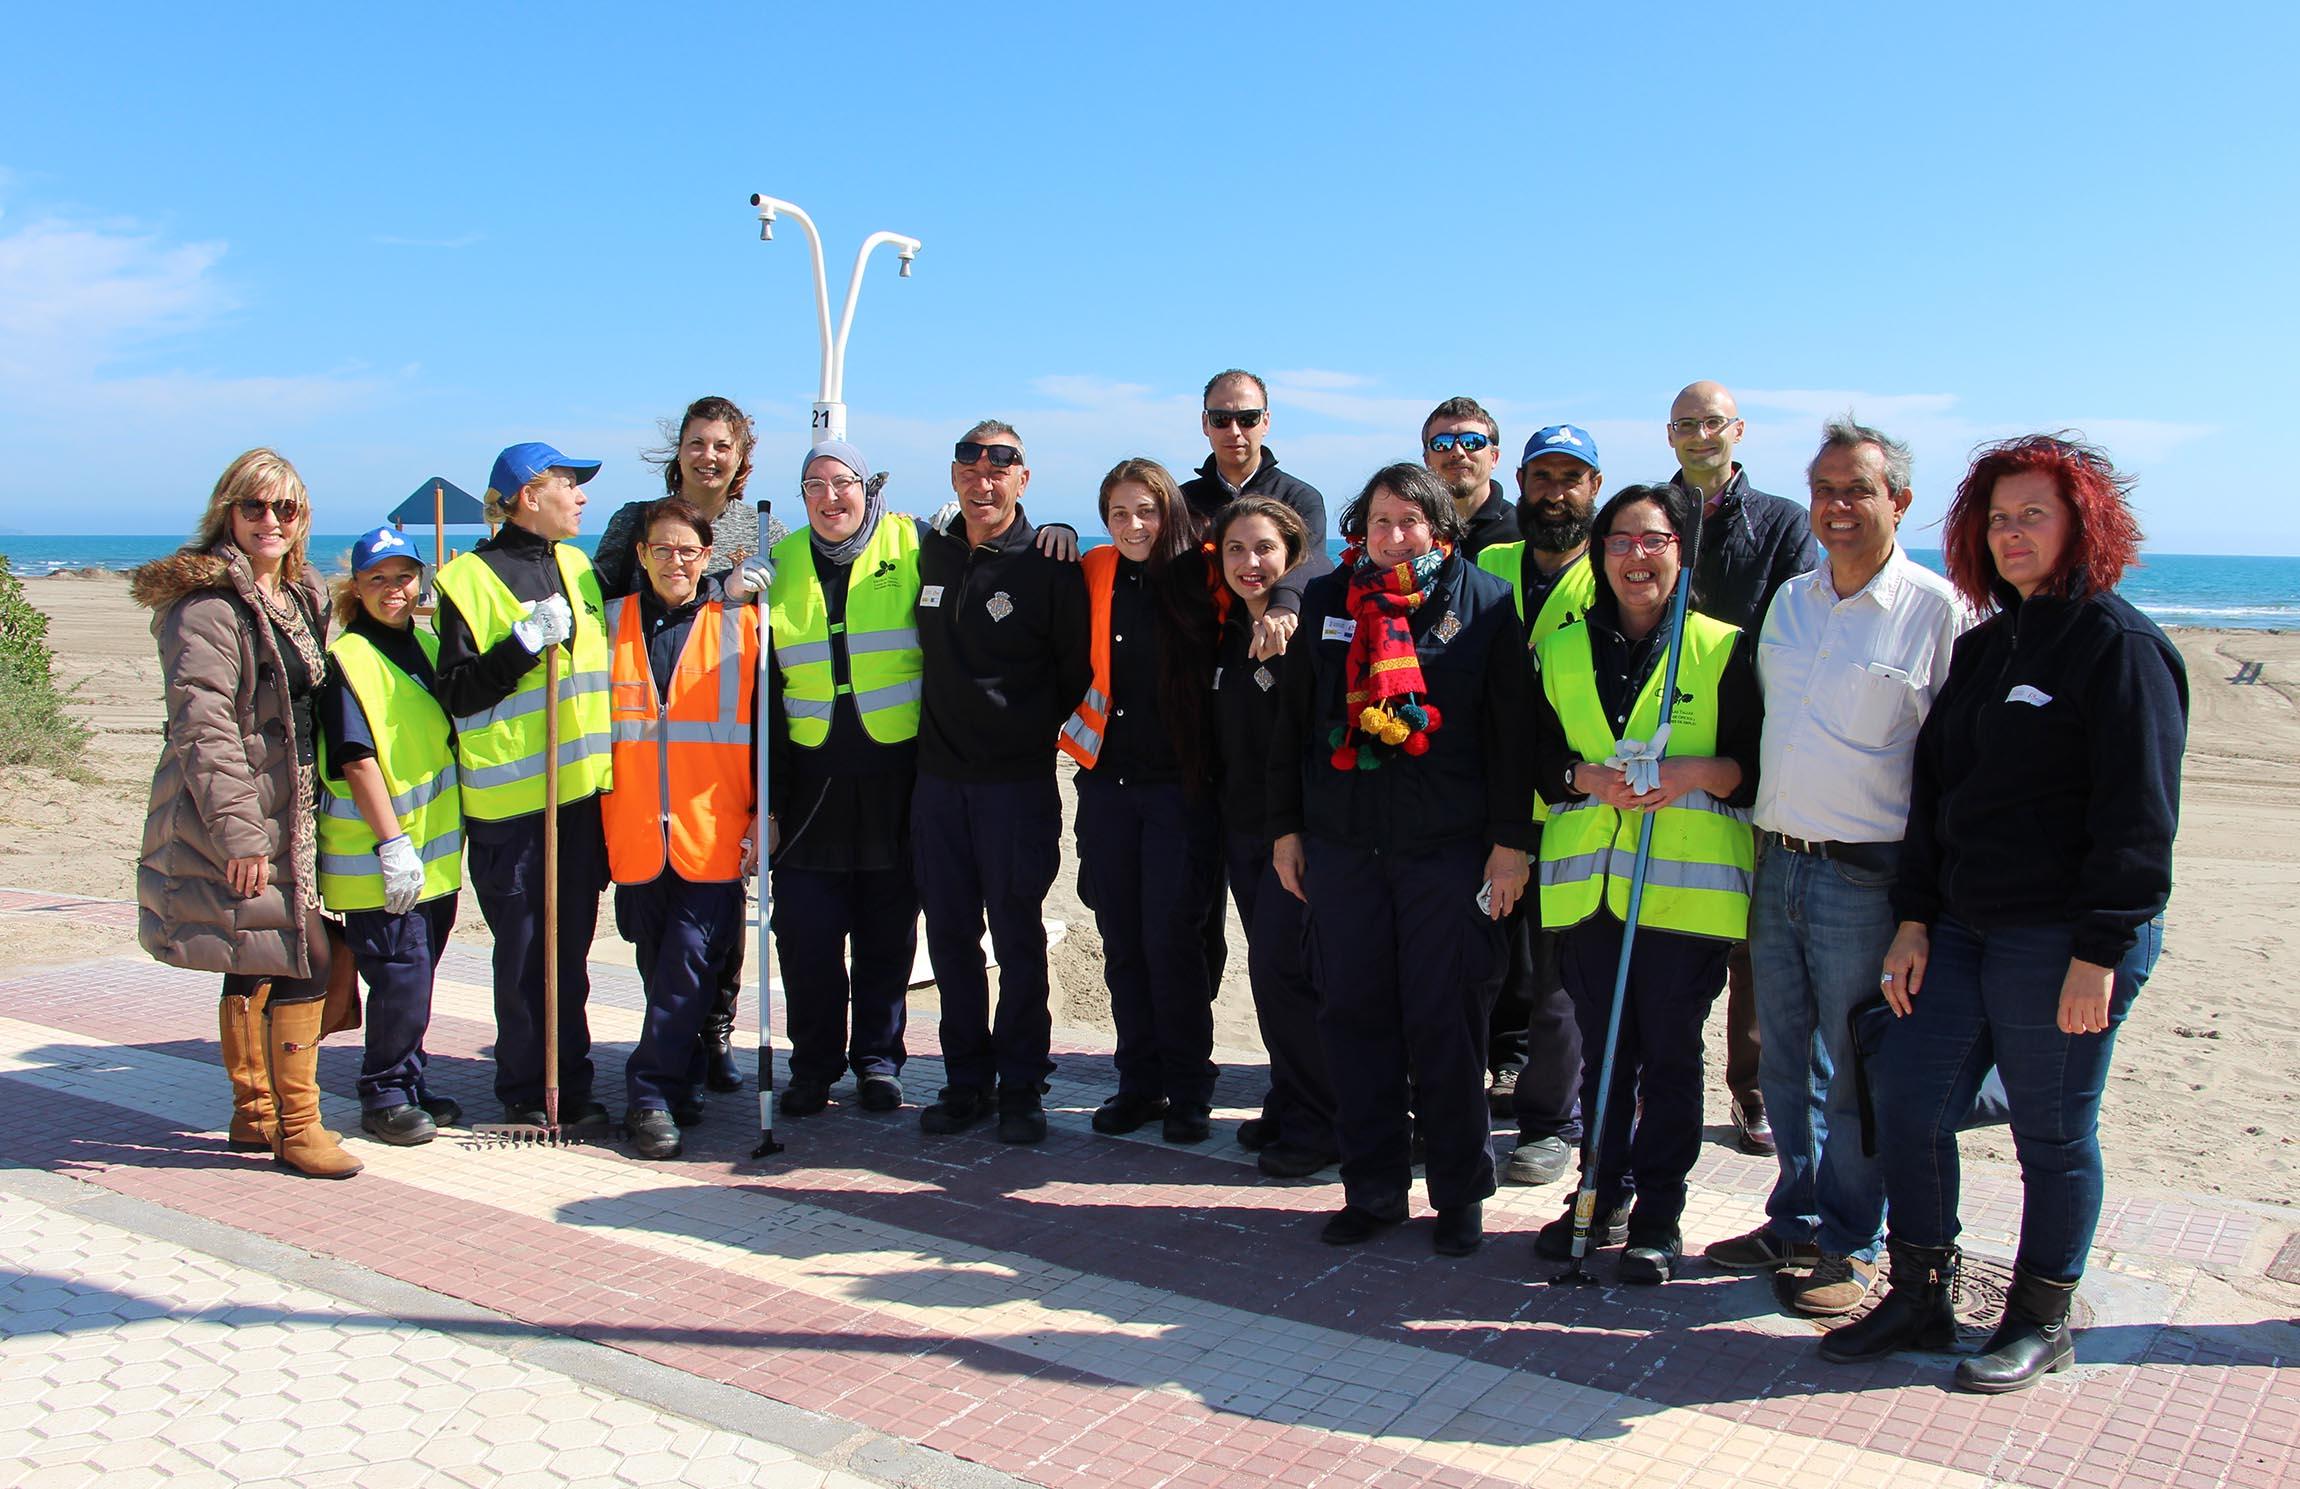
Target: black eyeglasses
point(1244, 418)
point(254, 507)
point(1001, 456)
point(1470, 441)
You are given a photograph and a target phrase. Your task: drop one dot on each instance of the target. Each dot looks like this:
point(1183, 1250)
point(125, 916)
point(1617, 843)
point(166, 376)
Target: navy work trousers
point(685, 932)
point(819, 916)
point(506, 870)
point(1300, 1102)
point(988, 849)
point(1145, 857)
point(1404, 963)
point(398, 957)
point(1548, 1099)
point(1650, 1130)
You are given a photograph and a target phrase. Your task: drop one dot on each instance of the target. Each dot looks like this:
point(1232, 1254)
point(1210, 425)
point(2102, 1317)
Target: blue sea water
point(2237, 592)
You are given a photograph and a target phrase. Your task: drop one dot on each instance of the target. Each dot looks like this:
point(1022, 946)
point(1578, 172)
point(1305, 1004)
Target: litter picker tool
point(1585, 1198)
point(767, 1147)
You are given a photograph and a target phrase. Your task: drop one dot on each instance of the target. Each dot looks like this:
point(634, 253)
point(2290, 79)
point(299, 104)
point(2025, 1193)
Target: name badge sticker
point(1338, 628)
point(929, 595)
point(2026, 694)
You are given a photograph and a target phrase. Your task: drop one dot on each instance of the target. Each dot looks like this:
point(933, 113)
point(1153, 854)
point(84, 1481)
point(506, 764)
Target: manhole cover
point(1978, 1296)
point(2286, 1267)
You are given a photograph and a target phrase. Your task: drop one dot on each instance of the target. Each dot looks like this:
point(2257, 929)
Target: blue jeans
point(1818, 931)
point(1994, 996)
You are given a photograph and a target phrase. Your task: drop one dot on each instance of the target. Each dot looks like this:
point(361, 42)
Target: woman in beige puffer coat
point(228, 878)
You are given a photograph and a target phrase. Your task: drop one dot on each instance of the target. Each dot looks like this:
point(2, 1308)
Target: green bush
point(34, 728)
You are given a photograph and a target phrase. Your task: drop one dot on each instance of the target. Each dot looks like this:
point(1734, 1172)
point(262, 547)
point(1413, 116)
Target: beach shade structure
point(443, 504)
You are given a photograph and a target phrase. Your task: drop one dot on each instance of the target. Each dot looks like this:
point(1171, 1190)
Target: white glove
point(1640, 760)
point(402, 874)
point(549, 621)
point(747, 580)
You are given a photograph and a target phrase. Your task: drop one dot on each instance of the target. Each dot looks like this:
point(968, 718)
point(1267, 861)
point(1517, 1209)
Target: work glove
point(748, 580)
point(549, 621)
point(1640, 760)
point(402, 874)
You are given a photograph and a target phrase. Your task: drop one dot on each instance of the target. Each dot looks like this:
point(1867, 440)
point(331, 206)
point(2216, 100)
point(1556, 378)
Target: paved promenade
point(873, 1306)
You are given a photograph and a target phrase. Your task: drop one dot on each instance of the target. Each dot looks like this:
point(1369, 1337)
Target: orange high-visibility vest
point(684, 790)
point(1081, 737)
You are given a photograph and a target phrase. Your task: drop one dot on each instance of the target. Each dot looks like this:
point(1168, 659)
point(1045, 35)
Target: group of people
point(1919, 827)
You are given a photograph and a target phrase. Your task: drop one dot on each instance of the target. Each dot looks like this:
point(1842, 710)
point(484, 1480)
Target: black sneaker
point(878, 1093)
point(803, 1098)
point(958, 1108)
point(1460, 1231)
point(1021, 1117)
point(1352, 1225)
point(1651, 1257)
point(1555, 1240)
point(1127, 1112)
point(1257, 1133)
point(1187, 1124)
point(653, 1133)
point(401, 1126)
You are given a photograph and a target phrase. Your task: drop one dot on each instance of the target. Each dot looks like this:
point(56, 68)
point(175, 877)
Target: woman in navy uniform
point(1401, 809)
point(1257, 540)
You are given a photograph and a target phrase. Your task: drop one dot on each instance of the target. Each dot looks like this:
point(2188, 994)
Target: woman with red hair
point(2031, 894)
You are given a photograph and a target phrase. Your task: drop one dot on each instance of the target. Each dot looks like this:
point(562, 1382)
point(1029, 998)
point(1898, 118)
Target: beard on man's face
point(1554, 529)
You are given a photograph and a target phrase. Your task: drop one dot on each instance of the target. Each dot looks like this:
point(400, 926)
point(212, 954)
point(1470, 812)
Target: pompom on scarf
point(1384, 709)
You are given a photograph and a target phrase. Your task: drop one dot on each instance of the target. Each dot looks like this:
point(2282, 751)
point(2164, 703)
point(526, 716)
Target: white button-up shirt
point(1847, 682)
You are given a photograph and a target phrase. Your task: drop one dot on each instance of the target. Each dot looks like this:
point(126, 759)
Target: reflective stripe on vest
point(684, 790)
point(879, 637)
point(1081, 737)
point(499, 750)
point(1703, 856)
point(416, 756)
point(1568, 600)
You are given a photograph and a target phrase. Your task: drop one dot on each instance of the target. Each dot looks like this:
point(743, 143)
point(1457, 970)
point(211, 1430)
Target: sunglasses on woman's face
point(254, 507)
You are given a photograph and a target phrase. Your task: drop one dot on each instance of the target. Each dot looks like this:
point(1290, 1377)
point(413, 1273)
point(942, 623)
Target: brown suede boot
point(300, 1141)
point(242, 1038)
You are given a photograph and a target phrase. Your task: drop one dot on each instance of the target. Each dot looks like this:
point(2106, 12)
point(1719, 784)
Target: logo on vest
point(885, 567)
point(1000, 605)
point(1447, 628)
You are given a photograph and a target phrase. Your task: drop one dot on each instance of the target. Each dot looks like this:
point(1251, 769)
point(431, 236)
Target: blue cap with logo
point(1562, 439)
point(385, 542)
point(520, 464)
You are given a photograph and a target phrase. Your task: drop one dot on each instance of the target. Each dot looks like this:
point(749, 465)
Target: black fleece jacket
point(2047, 782)
point(1207, 493)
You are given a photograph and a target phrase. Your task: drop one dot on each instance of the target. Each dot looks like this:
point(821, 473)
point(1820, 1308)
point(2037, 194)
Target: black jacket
point(1207, 493)
point(1003, 630)
point(1495, 521)
point(1475, 782)
point(2047, 782)
point(1245, 713)
point(1750, 546)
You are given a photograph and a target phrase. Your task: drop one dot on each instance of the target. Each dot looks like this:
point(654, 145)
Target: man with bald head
point(1751, 544)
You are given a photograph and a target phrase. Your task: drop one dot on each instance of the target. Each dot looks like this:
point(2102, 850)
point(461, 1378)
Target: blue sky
point(389, 240)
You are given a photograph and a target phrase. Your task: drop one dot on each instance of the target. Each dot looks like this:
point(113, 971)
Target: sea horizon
point(2245, 592)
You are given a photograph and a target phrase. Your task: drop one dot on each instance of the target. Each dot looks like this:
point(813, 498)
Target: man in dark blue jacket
point(1751, 545)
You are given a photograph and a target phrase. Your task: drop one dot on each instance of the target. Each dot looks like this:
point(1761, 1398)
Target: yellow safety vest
point(1568, 600)
point(1703, 856)
point(499, 751)
point(879, 637)
point(416, 753)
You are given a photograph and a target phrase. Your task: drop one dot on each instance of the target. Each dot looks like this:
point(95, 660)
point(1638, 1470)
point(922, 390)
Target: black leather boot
point(1914, 1315)
point(719, 1071)
point(2032, 1341)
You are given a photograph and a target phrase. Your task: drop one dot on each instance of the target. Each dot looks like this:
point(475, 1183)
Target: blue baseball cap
point(839, 450)
point(1562, 439)
point(385, 542)
point(520, 464)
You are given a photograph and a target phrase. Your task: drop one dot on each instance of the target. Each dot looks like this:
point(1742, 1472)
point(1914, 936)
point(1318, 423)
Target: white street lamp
point(830, 412)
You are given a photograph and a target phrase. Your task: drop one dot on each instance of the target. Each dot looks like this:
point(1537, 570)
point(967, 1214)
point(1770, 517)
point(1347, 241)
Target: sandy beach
point(2204, 1094)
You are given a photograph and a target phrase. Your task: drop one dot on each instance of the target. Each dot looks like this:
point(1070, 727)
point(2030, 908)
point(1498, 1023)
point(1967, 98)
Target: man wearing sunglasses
point(1002, 633)
point(1461, 445)
point(1751, 544)
point(1236, 419)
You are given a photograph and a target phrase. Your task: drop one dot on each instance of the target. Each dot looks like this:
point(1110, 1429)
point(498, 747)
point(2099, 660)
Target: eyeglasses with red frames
point(1652, 545)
